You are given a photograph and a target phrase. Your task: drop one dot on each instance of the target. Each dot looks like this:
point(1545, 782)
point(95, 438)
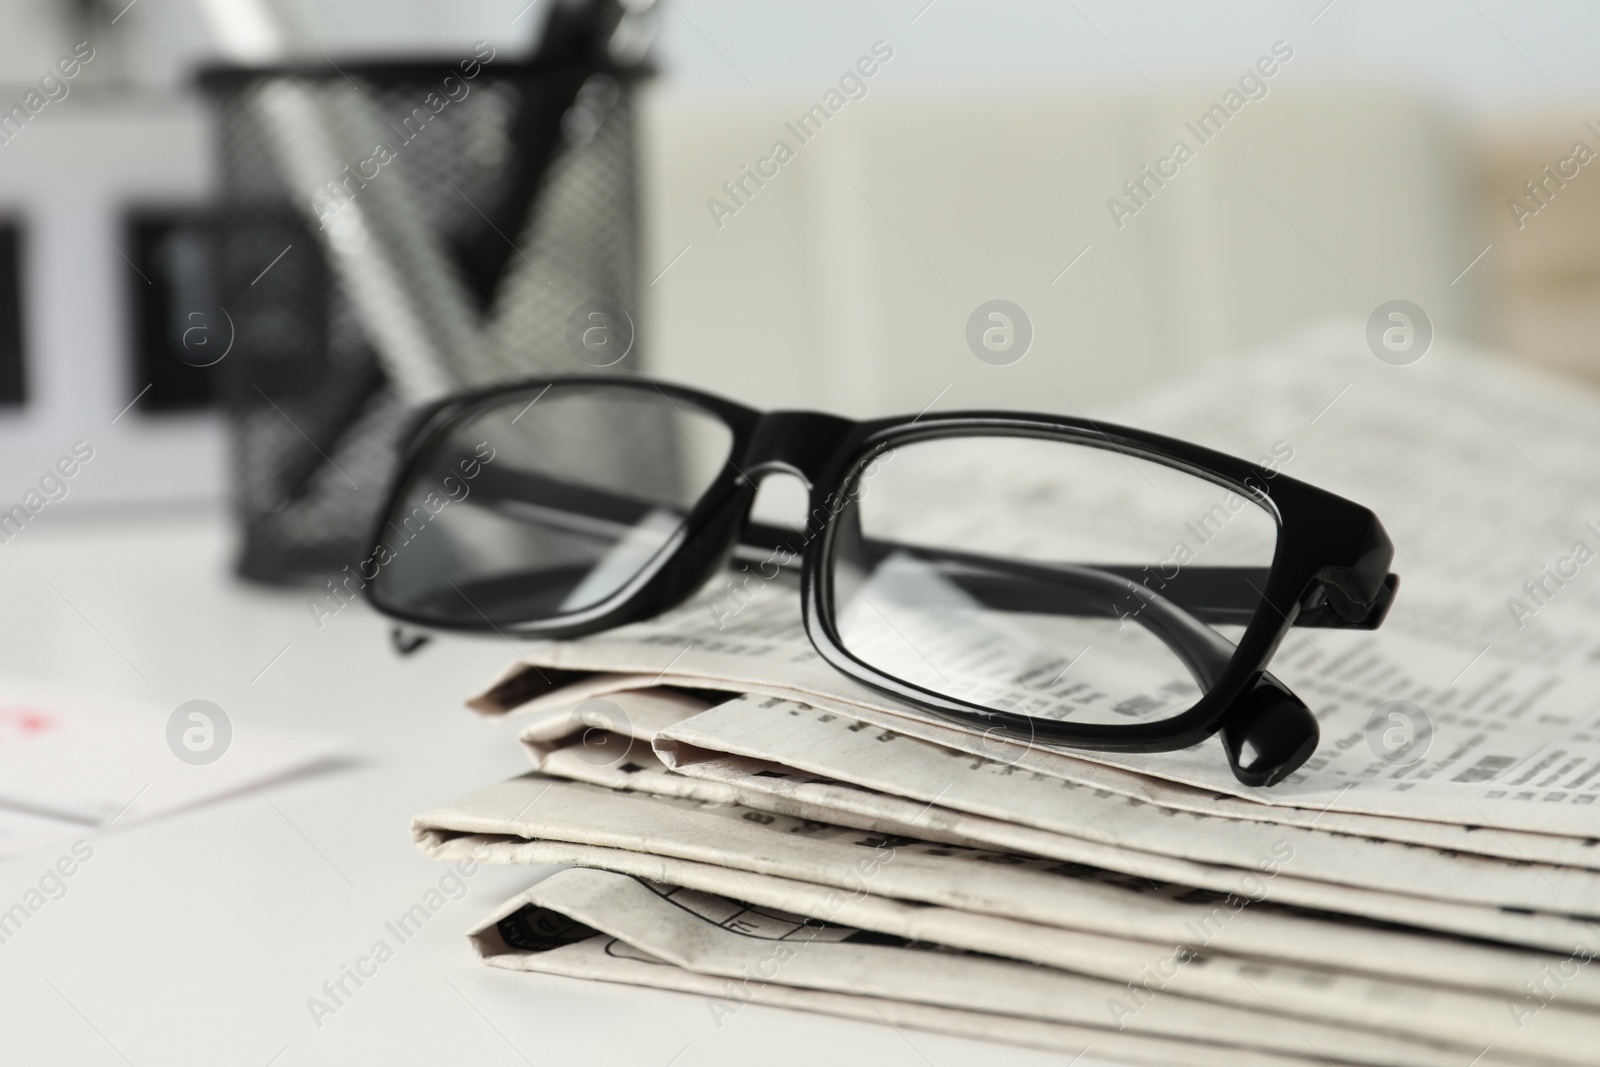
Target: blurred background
point(1341, 154)
point(242, 240)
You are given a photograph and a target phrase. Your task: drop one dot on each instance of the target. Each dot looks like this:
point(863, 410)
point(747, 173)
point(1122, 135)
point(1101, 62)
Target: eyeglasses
point(1051, 578)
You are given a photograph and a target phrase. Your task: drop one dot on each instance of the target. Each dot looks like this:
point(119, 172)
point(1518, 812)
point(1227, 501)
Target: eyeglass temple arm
point(1267, 731)
point(1213, 594)
point(1217, 595)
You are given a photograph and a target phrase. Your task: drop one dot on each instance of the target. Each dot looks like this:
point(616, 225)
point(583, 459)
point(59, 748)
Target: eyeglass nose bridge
point(801, 443)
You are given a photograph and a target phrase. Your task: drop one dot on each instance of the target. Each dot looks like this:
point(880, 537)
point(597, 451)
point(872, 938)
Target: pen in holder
point(390, 232)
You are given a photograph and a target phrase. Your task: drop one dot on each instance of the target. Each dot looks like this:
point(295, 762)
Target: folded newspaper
point(746, 825)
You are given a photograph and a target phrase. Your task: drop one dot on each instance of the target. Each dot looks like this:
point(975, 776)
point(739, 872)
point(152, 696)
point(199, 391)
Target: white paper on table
point(90, 758)
point(22, 832)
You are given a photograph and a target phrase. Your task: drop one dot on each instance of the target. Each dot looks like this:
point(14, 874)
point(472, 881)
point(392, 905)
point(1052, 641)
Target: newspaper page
point(562, 946)
point(751, 947)
point(766, 651)
point(610, 960)
point(1146, 913)
point(587, 714)
point(1481, 470)
point(1010, 806)
point(1507, 736)
point(606, 959)
point(728, 854)
point(616, 762)
point(776, 790)
point(561, 707)
point(798, 736)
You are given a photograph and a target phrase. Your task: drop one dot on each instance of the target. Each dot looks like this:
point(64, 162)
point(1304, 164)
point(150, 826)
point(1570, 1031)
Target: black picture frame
point(13, 335)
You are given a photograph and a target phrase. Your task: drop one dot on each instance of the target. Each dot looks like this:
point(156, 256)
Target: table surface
point(198, 938)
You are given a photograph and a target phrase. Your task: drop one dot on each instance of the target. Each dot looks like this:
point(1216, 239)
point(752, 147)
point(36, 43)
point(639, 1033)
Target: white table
point(198, 938)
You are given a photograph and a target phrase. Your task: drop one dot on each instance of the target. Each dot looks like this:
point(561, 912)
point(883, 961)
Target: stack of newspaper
point(745, 824)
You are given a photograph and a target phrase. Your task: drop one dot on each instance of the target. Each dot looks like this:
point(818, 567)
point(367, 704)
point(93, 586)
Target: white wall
point(848, 279)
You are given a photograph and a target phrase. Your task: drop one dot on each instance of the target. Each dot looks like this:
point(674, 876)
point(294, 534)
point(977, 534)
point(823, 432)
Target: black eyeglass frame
point(1330, 566)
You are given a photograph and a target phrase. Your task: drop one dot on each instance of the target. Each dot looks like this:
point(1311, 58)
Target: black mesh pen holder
point(388, 233)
